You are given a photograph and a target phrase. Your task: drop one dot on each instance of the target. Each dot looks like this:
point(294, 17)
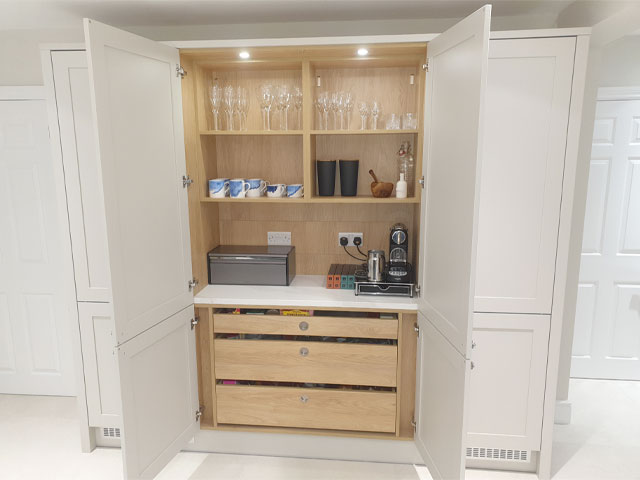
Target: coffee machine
point(399, 270)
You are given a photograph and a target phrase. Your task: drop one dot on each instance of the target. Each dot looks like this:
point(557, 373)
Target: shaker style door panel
point(100, 368)
point(506, 393)
point(453, 156)
point(528, 96)
point(83, 180)
point(138, 107)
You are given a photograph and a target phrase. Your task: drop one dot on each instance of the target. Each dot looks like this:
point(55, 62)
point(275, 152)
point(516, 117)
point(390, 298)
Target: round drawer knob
point(304, 326)
point(304, 351)
point(304, 398)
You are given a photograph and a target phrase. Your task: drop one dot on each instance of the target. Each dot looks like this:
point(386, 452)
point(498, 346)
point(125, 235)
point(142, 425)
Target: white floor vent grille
point(111, 432)
point(498, 454)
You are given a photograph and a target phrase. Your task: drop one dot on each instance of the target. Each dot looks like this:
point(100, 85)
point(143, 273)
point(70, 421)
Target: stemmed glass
point(216, 103)
point(323, 100)
point(376, 110)
point(297, 106)
point(363, 108)
point(229, 105)
point(333, 106)
point(318, 104)
point(266, 98)
point(242, 105)
point(284, 102)
point(348, 105)
point(340, 107)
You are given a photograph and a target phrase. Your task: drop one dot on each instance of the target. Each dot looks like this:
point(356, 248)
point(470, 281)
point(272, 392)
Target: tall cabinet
point(483, 362)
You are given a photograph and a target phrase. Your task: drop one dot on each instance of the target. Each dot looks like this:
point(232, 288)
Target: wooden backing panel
point(316, 326)
point(306, 124)
point(282, 361)
point(323, 408)
point(407, 347)
point(206, 379)
point(390, 86)
point(252, 80)
point(203, 219)
point(276, 159)
point(377, 152)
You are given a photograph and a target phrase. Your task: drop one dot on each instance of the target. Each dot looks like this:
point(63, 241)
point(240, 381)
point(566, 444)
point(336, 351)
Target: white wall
point(621, 63)
point(20, 58)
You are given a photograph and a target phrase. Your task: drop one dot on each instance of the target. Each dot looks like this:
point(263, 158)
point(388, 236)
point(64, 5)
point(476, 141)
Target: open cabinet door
point(136, 92)
point(455, 86)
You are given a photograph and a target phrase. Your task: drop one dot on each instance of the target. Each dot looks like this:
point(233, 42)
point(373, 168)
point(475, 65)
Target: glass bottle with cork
point(406, 165)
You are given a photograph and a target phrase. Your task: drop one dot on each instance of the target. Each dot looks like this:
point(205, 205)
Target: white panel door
point(102, 382)
point(528, 96)
point(138, 109)
point(506, 393)
point(159, 385)
point(35, 337)
point(606, 340)
point(83, 180)
point(453, 120)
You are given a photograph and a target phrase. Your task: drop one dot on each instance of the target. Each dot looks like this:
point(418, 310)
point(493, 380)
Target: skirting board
point(306, 446)
point(563, 412)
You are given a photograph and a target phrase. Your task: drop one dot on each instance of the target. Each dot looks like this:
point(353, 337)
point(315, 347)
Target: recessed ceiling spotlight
point(244, 54)
point(363, 52)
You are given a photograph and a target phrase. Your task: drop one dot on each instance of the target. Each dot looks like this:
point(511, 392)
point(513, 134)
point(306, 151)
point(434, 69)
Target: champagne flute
point(297, 105)
point(363, 108)
point(216, 103)
point(284, 102)
point(229, 105)
point(333, 106)
point(348, 105)
point(243, 107)
point(266, 98)
point(376, 110)
point(340, 107)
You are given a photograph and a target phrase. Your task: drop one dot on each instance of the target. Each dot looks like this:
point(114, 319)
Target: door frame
point(618, 93)
point(87, 434)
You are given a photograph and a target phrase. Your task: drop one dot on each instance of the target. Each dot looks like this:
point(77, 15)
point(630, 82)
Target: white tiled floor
point(39, 440)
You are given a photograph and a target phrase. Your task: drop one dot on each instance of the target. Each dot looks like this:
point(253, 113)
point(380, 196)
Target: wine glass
point(348, 105)
point(266, 98)
point(216, 103)
point(297, 105)
point(284, 102)
point(376, 110)
point(333, 106)
point(324, 99)
point(340, 107)
point(363, 108)
point(242, 103)
point(229, 105)
point(318, 104)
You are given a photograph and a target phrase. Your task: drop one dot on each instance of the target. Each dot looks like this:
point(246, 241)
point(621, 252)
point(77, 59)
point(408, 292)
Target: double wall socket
point(278, 238)
point(350, 237)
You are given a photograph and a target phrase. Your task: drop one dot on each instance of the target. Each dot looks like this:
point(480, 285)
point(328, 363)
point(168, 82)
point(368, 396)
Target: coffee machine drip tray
point(384, 288)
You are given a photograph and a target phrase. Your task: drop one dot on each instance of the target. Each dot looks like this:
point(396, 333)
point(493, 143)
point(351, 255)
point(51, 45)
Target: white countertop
point(304, 291)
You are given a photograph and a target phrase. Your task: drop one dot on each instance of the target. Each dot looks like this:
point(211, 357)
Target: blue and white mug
point(295, 191)
point(219, 188)
point(257, 187)
point(238, 187)
point(276, 190)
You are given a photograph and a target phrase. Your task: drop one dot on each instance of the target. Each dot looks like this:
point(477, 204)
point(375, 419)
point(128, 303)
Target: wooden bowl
point(380, 189)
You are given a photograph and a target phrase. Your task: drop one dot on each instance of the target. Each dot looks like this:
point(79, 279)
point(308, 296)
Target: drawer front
point(306, 362)
point(314, 326)
point(306, 408)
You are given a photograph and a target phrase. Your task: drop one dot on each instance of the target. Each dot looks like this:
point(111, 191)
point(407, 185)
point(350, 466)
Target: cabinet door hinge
point(180, 72)
point(186, 181)
point(421, 181)
point(416, 328)
point(192, 283)
point(194, 321)
point(425, 66)
point(414, 425)
point(199, 413)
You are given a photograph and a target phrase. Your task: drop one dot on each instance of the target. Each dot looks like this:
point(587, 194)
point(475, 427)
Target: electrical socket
point(350, 237)
point(278, 238)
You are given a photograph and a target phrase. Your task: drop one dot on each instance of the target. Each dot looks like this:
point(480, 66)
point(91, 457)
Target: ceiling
point(27, 14)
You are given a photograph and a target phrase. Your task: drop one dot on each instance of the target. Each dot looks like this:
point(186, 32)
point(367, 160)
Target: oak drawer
point(306, 408)
point(306, 362)
point(354, 327)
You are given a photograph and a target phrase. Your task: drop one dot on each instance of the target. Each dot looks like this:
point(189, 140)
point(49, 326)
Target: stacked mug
point(252, 188)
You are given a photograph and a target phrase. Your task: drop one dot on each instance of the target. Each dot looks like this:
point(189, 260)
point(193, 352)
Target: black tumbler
point(349, 177)
point(326, 170)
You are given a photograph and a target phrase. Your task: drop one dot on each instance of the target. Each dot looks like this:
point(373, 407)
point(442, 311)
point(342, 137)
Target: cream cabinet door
point(82, 177)
point(528, 94)
point(508, 381)
point(449, 206)
point(100, 368)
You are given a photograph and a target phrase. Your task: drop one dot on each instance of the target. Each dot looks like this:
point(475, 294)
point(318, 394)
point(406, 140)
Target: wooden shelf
point(253, 200)
point(250, 132)
point(363, 132)
point(362, 199)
